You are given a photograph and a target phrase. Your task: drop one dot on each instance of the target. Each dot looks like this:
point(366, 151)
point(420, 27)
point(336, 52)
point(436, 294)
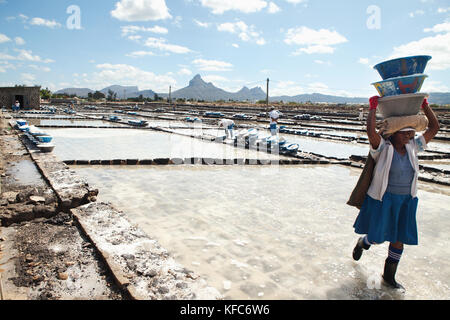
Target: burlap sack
point(359, 192)
point(389, 126)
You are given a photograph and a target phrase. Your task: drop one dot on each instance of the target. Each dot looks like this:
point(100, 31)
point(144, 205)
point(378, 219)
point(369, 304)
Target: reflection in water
point(275, 232)
point(93, 144)
point(25, 173)
point(59, 122)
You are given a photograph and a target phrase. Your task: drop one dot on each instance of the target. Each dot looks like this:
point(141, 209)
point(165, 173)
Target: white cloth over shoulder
point(383, 158)
point(274, 115)
point(226, 122)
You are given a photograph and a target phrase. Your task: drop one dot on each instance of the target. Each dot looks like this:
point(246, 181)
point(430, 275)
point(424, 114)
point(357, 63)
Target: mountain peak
point(197, 80)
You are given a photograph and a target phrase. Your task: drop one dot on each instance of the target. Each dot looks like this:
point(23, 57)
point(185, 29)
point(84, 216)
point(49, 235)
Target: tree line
point(46, 94)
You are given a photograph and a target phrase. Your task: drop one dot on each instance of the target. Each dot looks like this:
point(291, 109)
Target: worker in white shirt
point(274, 116)
point(361, 114)
point(228, 124)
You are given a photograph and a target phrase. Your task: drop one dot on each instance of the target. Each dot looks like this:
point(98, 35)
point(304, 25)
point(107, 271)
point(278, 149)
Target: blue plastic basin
point(400, 85)
point(402, 66)
point(45, 139)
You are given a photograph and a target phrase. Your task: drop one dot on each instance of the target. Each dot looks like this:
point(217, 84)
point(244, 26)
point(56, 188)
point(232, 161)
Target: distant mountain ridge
point(198, 89)
point(319, 98)
point(79, 92)
point(122, 92)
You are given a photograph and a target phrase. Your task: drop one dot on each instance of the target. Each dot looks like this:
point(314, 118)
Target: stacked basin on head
point(400, 89)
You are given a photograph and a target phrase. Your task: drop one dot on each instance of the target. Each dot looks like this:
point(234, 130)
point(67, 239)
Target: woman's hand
point(373, 102)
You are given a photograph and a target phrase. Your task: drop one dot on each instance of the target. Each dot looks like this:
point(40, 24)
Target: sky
point(301, 46)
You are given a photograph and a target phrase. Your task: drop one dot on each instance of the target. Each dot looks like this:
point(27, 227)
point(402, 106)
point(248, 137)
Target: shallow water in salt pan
point(25, 173)
point(276, 232)
point(98, 144)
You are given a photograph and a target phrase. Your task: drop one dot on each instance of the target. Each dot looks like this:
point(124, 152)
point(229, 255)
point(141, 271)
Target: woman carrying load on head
point(389, 209)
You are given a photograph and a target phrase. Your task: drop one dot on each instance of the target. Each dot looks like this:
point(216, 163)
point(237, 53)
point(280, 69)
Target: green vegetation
point(46, 94)
point(97, 95)
point(112, 96)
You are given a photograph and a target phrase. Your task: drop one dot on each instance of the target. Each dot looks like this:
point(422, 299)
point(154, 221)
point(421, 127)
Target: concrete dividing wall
point(138, 262)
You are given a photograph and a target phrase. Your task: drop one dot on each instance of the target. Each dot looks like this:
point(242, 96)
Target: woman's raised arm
point(433, 123)
point(372, 134)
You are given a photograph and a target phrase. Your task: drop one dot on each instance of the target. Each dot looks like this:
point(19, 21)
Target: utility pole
point(170, 96)
point(267, 98)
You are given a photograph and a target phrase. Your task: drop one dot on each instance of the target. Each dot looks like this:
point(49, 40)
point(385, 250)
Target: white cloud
point(127, 75)
point(245, 33)
point(292, 88)
point(214, 78)
point(314, 49)
point(235, 45)
point(28, 77)
point(126, 30)
point(443, 10)
point(45, 23)
point(140, 54)
point(434, 86)
point(442, 27)
point(221, 6)
point(185, 72)
point(38, 68)
point(162, 45)
point(296, 1)
point(288, 88)
point(4, 56)
point(202, 24)
point(317, 86)
point(141, 10)
point(19, 41)
point(135, 37)
point(4, 38)
point(363, 61)
point(328, 63)
point(437, 46)
point(416, 13)
point(23, 17)
point(24, 55)
point(224, 83)
point(177, 21)
point(212, 65)
point(273, 8)
point(6, 64)
point(27, 55)
point(316, 41)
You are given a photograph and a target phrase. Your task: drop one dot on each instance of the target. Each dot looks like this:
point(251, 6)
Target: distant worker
point(228, 124)
point(274, 116)
point(16, 106)
point(361, 114)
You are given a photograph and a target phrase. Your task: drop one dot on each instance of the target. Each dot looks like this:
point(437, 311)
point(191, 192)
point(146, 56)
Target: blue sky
point(302, 46)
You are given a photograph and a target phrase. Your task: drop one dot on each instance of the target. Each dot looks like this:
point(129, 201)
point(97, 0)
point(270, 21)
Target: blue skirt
point(393, 219)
